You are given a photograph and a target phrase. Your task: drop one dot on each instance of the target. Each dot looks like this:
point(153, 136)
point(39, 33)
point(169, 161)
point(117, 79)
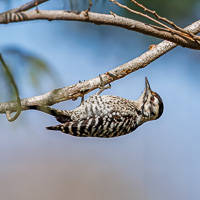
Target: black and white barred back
point(110, 116)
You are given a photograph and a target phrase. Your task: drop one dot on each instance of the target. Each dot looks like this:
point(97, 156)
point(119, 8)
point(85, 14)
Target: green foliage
point(37, 68)
point(14, 86)
point(26, 67)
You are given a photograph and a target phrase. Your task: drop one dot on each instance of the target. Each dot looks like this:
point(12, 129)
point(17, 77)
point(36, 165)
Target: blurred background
point(160, 160)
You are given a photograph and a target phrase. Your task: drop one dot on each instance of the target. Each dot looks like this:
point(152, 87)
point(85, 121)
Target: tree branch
point(77, 90)
point(177, 30)
point(25, 7)
point(138, 13)
point(101, 19)
point(153, 12)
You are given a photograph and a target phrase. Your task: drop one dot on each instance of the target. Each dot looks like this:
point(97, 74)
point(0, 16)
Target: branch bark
point(101, 19)
point(77, 90)
point(25, 7)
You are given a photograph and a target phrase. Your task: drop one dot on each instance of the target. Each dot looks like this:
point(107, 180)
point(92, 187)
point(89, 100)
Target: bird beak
point(147, 86)
point(147, 90)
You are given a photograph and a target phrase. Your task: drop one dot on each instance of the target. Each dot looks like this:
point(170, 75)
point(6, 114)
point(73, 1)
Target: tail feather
point(55, 128)
point(60, 115)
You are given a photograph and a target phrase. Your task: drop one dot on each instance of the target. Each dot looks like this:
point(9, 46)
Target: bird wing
point(108, 125)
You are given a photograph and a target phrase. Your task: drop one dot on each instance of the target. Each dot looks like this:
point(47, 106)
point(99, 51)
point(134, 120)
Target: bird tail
point(60, 115)
point(55, 128)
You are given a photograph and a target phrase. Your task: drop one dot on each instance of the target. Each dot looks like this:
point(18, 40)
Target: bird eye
point(152, 98)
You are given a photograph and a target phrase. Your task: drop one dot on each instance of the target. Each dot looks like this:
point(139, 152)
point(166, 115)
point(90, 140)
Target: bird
point(110, 116)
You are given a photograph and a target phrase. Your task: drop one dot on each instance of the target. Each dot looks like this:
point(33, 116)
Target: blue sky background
point(160, 160)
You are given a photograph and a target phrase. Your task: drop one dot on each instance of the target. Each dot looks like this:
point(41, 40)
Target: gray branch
point(103, 19)
point(25, 7)
point(77, 90)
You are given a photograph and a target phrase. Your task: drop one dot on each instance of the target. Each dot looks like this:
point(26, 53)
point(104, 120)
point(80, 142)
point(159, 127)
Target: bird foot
point(102, 86)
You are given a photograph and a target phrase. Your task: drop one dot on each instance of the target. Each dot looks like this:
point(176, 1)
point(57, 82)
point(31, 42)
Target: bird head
point(151, 103)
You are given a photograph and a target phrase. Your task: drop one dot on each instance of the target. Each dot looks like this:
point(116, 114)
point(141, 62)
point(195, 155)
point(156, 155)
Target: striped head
point(150, 103)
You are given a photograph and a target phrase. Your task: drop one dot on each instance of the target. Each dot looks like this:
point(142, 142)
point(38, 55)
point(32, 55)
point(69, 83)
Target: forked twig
point(153, 12)
point(139, 13)
point(184, 34)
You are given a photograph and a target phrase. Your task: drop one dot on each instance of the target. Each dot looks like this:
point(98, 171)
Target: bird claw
point(102, 86)
point(82, 99)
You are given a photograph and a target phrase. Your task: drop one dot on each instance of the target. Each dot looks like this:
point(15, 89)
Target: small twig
point(36, 6)
point(139, 13)
point(153, 12)
point(11, 78)
point(112, 13)
point(26, 6)
point(30, 5)
point(156, 15)
point(167, 28)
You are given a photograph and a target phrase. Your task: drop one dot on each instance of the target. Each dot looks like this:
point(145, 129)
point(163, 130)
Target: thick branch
point(77, 90)
point(100, 19)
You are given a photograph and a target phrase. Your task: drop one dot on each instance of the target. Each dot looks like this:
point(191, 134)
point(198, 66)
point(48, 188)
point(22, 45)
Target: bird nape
point(110, 116)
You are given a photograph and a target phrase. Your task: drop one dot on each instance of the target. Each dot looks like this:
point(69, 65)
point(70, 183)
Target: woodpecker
point(110, 116)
